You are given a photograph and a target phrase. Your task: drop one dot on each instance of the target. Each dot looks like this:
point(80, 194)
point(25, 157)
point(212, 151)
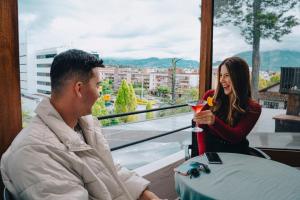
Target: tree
point(149, 115)
point(106, 87)
point(263, 83)
point(163, 91)
point(132, 103)
point(257, 19)
point(275, 78)
point(126, 101)
point(173, 78)
point(99, 109)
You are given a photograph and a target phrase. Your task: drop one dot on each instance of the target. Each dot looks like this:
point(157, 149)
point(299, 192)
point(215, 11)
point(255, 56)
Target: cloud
point(135, 28)
point(116, 28)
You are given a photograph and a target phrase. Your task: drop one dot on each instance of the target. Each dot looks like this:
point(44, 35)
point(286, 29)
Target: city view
point(152, 61)
point(150, 99)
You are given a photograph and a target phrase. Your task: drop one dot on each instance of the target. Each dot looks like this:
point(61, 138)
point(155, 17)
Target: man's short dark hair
point(71, 64)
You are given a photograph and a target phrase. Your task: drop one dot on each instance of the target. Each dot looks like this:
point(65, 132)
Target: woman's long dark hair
point(229, 109)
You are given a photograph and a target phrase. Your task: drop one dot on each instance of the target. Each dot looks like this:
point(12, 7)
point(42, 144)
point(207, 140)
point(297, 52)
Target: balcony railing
point(146, 111)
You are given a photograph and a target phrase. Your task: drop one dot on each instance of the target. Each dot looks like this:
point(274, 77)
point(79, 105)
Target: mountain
point(150, 62)
point(272, 60)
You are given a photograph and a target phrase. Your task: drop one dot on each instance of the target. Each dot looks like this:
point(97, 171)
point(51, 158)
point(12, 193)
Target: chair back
point(7, 195)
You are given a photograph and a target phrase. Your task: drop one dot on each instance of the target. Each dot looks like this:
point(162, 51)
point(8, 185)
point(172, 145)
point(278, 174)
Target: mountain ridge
point(270, 61)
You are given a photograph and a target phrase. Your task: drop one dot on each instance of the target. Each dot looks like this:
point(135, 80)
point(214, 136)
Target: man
point(62, 153)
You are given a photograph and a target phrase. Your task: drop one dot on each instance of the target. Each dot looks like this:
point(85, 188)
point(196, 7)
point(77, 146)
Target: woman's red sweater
point(225, 134)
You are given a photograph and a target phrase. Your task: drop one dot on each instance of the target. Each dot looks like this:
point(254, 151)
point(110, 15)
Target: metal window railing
point(145, 111)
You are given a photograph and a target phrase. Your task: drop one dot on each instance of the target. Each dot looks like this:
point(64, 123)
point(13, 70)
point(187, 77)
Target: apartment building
point(43, 60)
point(23, 67)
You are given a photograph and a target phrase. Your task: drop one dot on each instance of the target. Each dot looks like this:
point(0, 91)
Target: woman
point(228, 122)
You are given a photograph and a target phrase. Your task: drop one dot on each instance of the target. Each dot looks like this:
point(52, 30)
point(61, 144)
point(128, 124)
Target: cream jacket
point(48, 160)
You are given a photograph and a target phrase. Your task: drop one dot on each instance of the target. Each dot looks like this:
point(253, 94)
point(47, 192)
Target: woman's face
point(225, 80)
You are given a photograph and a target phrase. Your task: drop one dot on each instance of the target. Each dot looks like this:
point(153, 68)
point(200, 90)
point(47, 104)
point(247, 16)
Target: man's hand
point(205, 117)
point(148, 195)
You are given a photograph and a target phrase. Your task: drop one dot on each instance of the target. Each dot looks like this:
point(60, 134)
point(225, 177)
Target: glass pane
point(266, 35)
point(150, 48)
point(141, 42)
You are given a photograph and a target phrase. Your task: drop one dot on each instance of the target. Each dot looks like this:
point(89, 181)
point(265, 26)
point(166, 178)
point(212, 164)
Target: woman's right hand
point(204, 117)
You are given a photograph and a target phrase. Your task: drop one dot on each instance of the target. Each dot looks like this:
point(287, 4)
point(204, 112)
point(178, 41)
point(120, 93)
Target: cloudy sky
point(130, 28)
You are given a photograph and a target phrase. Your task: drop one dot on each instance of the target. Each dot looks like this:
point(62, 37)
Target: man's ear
point(78, 89)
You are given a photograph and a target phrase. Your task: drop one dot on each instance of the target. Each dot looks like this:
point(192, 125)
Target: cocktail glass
point(197, 107)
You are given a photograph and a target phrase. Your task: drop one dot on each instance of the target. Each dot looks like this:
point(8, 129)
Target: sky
point(130, 29)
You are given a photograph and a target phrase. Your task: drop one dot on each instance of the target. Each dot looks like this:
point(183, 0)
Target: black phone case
point(213, 158)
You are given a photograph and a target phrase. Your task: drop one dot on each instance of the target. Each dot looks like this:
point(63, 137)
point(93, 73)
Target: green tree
point(149, 115)
point(121, 104)
point(173, 78)
point(163, 90)
point(106, 87)
point(257, 19)
point(262, 83)
point(275, 78)
point(99, 109)
point(132, 103)
point(126, 101)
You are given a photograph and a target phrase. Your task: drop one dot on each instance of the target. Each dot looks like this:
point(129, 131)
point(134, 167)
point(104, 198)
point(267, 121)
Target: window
point(43, 83)
point(43, 65)
point(154, 50)
point(43, 74)
point(43, 91)
point(275, 43)
point(45, 56)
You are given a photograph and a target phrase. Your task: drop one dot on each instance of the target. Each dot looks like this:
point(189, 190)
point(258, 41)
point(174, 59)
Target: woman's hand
point(204, 117)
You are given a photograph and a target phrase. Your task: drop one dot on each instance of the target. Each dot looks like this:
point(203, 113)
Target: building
point(270, 97)
point(43, 60)
point(23, 67)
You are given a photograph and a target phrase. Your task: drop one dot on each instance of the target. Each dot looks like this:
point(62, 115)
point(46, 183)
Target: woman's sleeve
point(241, 130)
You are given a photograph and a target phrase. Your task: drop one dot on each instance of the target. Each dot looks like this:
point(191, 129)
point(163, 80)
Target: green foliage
point(99, 109)
point(163, 91)
point(262, 83)
point(126, 101)
point(275, 78)
point(122, 98)
point(257, 19)
point(268, 18)
point(107, 87)
point(132, 104)
point(132, 98)
point(149, 115)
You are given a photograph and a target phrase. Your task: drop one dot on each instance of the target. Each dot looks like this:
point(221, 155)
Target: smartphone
point(213, 158)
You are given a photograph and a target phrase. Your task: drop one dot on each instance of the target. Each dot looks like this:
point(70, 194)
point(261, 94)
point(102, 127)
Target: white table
point(241, 177)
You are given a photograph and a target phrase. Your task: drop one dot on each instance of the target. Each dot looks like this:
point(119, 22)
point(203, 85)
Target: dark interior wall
point(10, 101)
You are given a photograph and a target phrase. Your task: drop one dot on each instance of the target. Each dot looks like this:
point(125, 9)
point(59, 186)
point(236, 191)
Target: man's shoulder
point(36, 133)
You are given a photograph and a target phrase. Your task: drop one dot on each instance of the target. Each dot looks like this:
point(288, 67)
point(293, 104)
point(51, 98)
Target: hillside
point(273, 60)
point(270, 61)
point(150, 62)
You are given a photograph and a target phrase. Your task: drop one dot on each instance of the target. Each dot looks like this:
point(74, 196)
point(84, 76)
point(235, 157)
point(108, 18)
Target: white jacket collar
point(66, 134)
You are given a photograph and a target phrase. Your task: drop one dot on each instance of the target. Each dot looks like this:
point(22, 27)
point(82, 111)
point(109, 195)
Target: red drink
point(197, 108)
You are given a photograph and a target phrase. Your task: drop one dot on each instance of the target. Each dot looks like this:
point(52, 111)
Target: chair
point(7, 195)
point(192, 149)
point(259, 153)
